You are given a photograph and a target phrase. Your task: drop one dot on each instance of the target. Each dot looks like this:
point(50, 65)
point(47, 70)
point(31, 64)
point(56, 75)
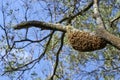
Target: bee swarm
point(84, 41)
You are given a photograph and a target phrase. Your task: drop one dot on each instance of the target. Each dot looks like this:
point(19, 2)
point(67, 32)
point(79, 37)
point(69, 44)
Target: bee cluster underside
point(84, 41)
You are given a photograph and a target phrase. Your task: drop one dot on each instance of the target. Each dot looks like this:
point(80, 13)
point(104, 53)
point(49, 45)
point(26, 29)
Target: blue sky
point(18, 12)
point(45, 67)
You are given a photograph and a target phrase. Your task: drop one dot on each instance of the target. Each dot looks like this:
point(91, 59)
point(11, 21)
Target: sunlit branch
point(40, 24)
point(97, 15)
point(100, 31)
point(43, 25)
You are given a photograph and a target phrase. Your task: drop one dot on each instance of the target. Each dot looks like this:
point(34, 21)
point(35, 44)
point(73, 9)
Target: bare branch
point(79, 13)
point(40, 24)
point(97, 15)
point(113, 20)
point(57, 57)
point(113, 40)
point(31, 41)
point(20, 68)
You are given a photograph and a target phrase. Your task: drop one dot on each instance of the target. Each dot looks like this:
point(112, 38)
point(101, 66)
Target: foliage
point(31, 54)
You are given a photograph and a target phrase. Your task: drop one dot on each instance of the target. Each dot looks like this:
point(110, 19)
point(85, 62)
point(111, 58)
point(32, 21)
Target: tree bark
point(110, 38)
point(40, 24)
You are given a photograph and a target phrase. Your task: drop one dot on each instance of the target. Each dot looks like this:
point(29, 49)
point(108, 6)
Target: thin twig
point(57, 57)
point(33, 61)
point(113, 20)
point(79, 13)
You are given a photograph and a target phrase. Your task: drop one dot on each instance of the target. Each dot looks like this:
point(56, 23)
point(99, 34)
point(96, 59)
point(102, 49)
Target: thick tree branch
point(97, 15)
point(49, 26)
point(40, 24)
point(113, 40)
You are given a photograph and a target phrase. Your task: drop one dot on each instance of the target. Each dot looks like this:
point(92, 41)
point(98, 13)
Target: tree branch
point(79, 13)
point(97, 15)
point(114, 20)
point(31, 41)
point(20, 68)
point(112, 39)
point(40, 24)
point(57, 57)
